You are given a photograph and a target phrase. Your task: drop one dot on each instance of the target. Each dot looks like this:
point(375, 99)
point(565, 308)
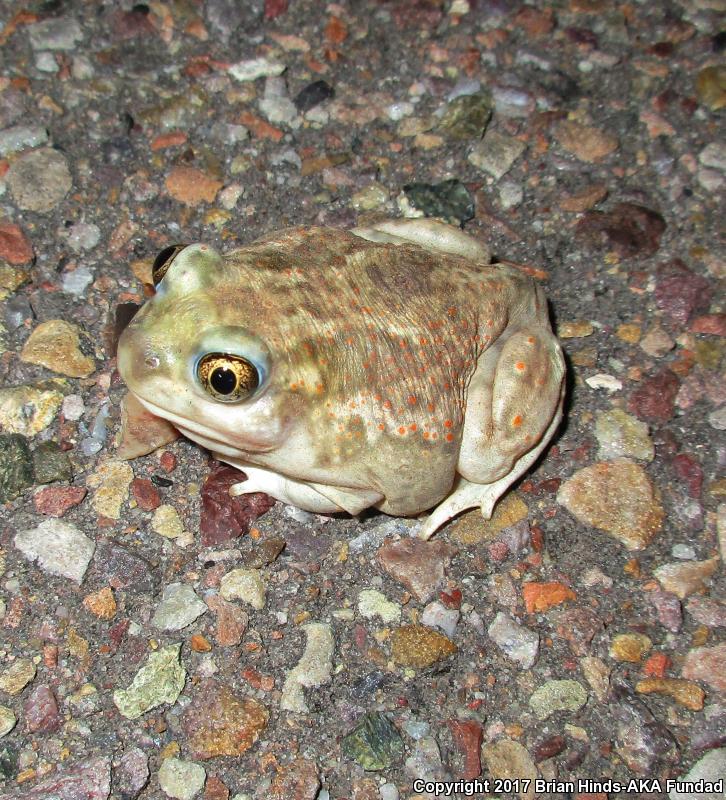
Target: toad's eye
point(163, 261)
point(226, 377)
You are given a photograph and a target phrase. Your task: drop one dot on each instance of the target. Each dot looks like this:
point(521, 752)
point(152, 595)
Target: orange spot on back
point(402, 431)
point(520, 365)
point(449, 437)
point(412, 426)
point(386, 404)
point(517, 421)
point(430, 406)
point(381, 426)
point(448, 423)
point(412, 400)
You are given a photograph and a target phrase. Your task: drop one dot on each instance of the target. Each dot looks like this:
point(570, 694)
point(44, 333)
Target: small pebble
point(496, 153)
point(181, 780)
point(313, 669)
point(27, 410)
point(15, 677)
point(420, 566)
point(710, 768)
point(617, 497)
point(56, 345)
point(563, 695)
point(509, 760)
point(621, 435)
point(419, 647)
point(255, 68)
point(707, 664)
point(21, 137)
point(167, 523)
point(372, 603)
point(16, 466)
point(39, 180)
point(219, 722)
point(685, 579)
point(56, 33)
point(630, 647)
point(59, 548)
point(178, 608)
point(111, 482)
point(520, 644)
point(436, 615)
point(375, 743)
point(7, 720)
point(246, 585)
point(159, 681)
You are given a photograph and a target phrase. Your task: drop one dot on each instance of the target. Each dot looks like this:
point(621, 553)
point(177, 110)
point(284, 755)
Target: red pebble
point(654, 399)
point(498, 551)
point(168, 462)
point(14, 247)
point(679, 291)
point(536, 535)
point(656, 665)
point(468, 735)
point(224, 518)
point(56, 501)
point(41, 711)
point(117, 633)
point(275, 8)
point(145, 494)
point(215, 789)
point(689, 471)
point(714, 324)
point(452, 599)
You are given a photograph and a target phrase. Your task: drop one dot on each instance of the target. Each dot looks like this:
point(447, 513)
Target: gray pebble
point(56, 33)
point(39, 180)
point(22, 137)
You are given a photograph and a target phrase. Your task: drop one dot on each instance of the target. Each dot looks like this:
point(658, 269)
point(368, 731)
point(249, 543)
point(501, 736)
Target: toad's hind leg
point(467, 495)
point(513, 408)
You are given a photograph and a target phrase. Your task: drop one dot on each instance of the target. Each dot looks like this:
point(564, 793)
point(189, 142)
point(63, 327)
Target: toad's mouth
point(215, 440)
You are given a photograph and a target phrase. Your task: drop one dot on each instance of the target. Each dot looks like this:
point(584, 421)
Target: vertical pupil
point(223, 380)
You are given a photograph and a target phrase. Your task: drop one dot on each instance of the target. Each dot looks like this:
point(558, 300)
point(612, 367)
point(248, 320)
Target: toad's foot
point(466, 495)
point(308, 496)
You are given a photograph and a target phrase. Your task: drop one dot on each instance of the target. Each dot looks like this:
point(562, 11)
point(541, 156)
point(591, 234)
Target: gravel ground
point(153, 643)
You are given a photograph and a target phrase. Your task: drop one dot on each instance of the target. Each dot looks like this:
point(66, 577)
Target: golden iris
point(226, 377)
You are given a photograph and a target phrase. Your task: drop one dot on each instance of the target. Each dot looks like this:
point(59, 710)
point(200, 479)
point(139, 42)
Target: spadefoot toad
point(389, 366)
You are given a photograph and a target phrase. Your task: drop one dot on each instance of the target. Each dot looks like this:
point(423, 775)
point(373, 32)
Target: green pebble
point(709, 354)
point(160, 680)
point(375, 744)
point(16, 466)
point(450, 200)
point(467, 117)
point(711, 87)
point(51, 463)
point(9, 762)
point(554, 696)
